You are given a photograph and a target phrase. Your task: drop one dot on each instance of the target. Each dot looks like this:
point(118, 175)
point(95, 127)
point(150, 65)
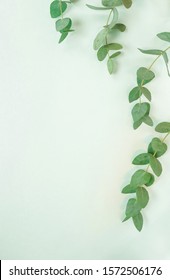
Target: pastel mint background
point(66, 137)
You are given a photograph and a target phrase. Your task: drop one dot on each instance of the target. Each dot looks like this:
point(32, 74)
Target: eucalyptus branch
point(141, 110)
point(63, 25)
point(101, 43)
point(142, 179)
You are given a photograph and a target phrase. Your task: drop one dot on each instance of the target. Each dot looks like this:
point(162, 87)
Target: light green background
point(66, 137)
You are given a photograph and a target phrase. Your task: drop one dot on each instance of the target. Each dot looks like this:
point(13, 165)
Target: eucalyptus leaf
point(156, 166)
point(138, 221)
point(142, 159)
point(57, 8)
point(140, 177)
point(163, 127)
point(147, 120)
point(127, 3)
point(152, 52)
point(129, 189)
point(111, 66)
point(165, 36)
point(144, 76)
point(63, 36)
point(134, 94)
point(140, 110)
point(114, 19)
point(115, 54)
point(100, 39)
point(63, 24)
point(102, 53)
point(146, 93)
point(119, 26)
point(132, 208)
point(157, 147)
point(142, 197)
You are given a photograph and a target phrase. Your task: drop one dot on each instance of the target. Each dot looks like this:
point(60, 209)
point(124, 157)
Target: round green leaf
point(140, 177)
point(127, 3)
point(102, 53)
point(165, 36)
point(56, 9)
point(163, 127)
point(141, 159)
point(63, 24)
point(157, 147)
point(144, 76)
point(140, 110)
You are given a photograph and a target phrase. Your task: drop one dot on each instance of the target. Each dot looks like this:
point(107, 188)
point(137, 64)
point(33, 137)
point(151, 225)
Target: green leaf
point(119, 26)
point(140, 110)
point(151, 181)
point(147, 120)
point(114, 46)
point(115, 54)
point(127, 3)
point(163, 127)
point(144, 76)
point(111, 3)
point(134, 94)
point(114, 19)
point(142, 197)
point(129, 189)
point(100, 39)
point(166, 59)
point(137, 124)
point(97, 8)
point(111, 66)
point(63, 36)
point(140, 177)
point(157, 147)
point(56, 9)
point(165, 36)
point(156, 166)
point(152, 52)
point(146, 93)
point(132, 208)
point(63, 24)
point(141, 159)
point(102, 53)
point(138, 221)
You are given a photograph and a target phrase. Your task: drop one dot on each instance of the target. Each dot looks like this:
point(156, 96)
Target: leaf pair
point(63, 25)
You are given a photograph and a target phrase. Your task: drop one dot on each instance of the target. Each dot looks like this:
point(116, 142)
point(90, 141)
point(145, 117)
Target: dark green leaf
point(156, 166)
point(135, 94)
point(157, 147)
point(140, 177)
point(140, 110)
point(57, 8)
point(132, 208)
point(141, 159)
point(138, 221)
point(144, 76)
point(163, 127)
point(129, 189)
point(165, 36)
point(153, 52)
point(151, 181)
point(147, 120)
point(127, 3)
point(115, 54)
point(119, 26)
point(102, 53)
point(63, 36)
point(146, 93)
point(137, 124)
point(142, 197)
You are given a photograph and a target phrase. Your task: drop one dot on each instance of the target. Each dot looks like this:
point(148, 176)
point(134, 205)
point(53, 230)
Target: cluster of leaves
point(101, 43)
point(142, 179)
point(141, 110)
point(63, 25)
